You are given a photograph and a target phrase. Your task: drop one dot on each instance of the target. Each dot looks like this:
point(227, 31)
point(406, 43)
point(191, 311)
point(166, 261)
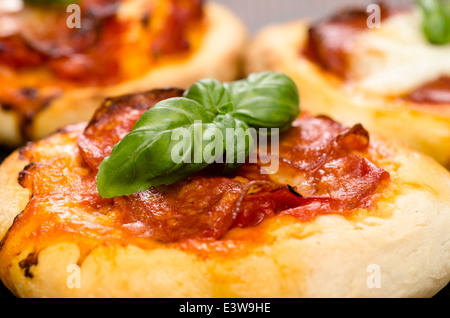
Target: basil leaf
point(212, 95)
point(183, 135)
point(171, 113)
point(177, 128)
point(436, 21)
point(237, 139)
point(265, 100)
point(146, 152)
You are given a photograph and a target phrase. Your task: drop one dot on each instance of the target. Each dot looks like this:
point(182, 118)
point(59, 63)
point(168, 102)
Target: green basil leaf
point(183, 135)
point(446, 8)
point(212, 95)
point(171, 113)
point(436, 21)
point(145, 157)
point(265, 100)
point(198, 146)
point(238, 140)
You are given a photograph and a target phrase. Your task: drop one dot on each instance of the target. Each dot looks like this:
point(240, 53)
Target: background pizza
point(392, 78)
point(54, 74)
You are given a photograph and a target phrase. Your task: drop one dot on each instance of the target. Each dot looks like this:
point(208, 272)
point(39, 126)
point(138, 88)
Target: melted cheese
point(10, 6)
point(397, 58)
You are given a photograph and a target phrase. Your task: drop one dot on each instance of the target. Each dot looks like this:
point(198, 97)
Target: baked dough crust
point(219, 56)
point(405, 238)
point(277, 47)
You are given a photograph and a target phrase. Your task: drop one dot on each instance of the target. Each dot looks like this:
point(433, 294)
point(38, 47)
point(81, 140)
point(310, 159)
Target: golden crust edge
point(414, 261)
point(277, 47)
point(219, 59)
point(13, 196)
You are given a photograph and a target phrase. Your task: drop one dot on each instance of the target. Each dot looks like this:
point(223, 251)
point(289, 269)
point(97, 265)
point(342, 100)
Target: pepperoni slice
point(114, 119)
point(16, 53)
point(171, 38)
point(330, 40)
point(263, 199)
point(313, 141)
point(93, 54)
point(196, 207)
point(344, 184)
point(335, 178)
point(433, 92)
point(329, 43)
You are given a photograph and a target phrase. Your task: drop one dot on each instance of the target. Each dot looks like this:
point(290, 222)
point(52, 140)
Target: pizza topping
point(393, 61)
point(204, 206)
point(263, 199)
point(436, 20)
point(108, 125)
point(199, 206)
point(104, 31)
point(434, 92)
point(324, 168)
point(331, 41)
point(328, 40)
point(202, 119)
point(44, 32)
point(118, 40)
point(16, 53)
point(318, 153)
point(183, 13)
point(318, 144)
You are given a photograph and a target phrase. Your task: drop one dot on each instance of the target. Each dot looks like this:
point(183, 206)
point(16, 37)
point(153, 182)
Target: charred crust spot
point(21, 179)
point(26, 103)
point(30, 93)
point(6, 106)
point(24, 149)
point(27, 118)
point(145, 19)
point(292, 190)
point(356, 138)
point(26, 263)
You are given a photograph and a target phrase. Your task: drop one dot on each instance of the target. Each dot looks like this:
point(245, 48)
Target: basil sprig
point(436, 20)
point(144, 157)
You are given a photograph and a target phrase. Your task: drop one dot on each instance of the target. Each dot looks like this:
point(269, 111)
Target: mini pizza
point(55, 72)
point(346, 214)
point(390, 78)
